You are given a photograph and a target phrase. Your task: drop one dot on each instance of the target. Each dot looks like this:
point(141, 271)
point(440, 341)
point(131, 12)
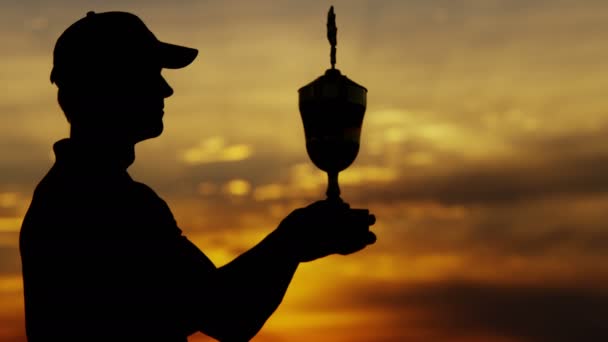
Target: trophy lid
point(333, 86)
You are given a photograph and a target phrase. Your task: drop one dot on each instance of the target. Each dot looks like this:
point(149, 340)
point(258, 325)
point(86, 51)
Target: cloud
point(522, 178)
point(271, 191)
point(453, 309)
point(10, 261)
point(528, 239)
point(8, 199)
point(213, 150)
point(238, 187)
point(6, 212)
point(533, 314)
point(305, 180)
point(10, 224)
point(270, 163)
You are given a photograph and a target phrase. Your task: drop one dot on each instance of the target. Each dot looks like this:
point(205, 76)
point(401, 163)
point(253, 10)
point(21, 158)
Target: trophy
point(332, 109)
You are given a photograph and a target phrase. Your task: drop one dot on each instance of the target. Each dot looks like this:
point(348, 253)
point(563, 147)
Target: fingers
point(355, 241)
point(355, 244)
point(371, 238)
point(371, 219)
point(333, 227)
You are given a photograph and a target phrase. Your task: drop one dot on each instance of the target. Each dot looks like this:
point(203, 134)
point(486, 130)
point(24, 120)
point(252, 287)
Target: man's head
point(107, 67)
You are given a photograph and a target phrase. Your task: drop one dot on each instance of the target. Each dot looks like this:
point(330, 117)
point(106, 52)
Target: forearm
point(262, 274)
point(251, 287)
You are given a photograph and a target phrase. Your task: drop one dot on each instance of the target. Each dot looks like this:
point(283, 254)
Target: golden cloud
point(8, 199)
point(237, 187)
point(10, 224)
point(271, 191)
point(215, 149)
point(368, 174)
point(306, 179)
point(11, 284)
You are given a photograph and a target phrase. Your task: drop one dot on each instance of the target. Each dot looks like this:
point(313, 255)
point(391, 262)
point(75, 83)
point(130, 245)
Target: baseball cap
point(108, 42)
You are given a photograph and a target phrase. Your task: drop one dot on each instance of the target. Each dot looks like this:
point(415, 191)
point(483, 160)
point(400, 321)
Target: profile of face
point(134, 103)
point(137, 103)
point(125, 104)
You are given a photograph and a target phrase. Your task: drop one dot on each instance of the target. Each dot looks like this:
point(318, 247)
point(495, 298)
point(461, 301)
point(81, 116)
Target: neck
point(103, 148)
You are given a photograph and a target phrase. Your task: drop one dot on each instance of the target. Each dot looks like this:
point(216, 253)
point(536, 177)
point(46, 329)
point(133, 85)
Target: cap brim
point(176, 56)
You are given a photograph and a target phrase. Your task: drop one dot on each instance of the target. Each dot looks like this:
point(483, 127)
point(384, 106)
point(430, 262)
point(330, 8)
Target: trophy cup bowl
point(332, 109)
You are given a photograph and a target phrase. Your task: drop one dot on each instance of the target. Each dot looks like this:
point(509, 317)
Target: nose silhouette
point(166, 88)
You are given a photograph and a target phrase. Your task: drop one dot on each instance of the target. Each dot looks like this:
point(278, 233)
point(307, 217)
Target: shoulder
point(145, 193)
point(152, 207)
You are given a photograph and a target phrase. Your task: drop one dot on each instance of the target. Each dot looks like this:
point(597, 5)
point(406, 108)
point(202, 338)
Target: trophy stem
point(333, 189)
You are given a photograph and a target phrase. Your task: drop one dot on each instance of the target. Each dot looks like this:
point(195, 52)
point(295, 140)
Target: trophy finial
point(332, 34)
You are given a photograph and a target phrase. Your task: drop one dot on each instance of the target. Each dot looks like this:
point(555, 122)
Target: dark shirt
point(103, 258)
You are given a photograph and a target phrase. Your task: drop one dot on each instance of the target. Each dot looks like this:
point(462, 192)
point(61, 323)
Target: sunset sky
point(484, 157)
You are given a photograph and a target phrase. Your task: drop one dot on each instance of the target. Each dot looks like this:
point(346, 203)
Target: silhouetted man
point(103, 258)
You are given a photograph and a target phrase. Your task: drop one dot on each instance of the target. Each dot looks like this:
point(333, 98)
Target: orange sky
point(484, 157)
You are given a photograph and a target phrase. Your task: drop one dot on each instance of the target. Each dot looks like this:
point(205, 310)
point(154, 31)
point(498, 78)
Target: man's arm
point(242, 295)
point(248, 290)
